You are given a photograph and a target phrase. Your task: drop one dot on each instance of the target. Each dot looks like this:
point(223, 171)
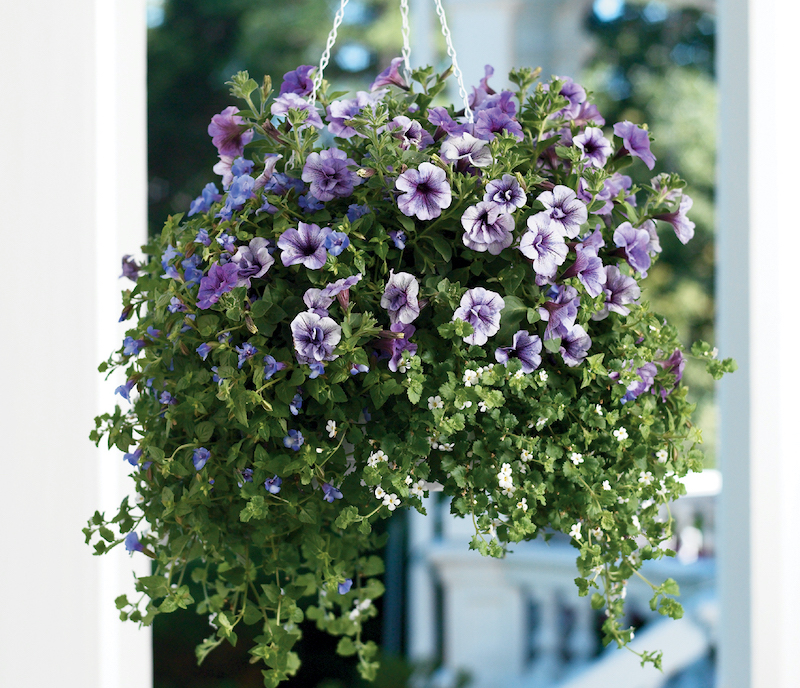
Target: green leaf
point(347, 516)
point(443, 247)
point(203, 431)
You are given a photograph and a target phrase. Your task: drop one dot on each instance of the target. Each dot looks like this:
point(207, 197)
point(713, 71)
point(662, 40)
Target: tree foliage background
point(651, 64)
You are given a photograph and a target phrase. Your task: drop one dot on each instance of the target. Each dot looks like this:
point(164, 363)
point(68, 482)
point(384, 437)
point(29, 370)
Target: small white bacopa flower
point(575, 531)
point(330, 426)
point(621, 434)
point(435, 402)
point(391, 502)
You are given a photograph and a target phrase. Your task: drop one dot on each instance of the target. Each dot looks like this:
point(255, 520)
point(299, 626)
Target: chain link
point(406, 38)
point(326, 55)
point(451, 51)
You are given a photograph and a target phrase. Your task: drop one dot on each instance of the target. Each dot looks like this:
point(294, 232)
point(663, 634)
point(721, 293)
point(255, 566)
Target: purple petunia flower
point(125, 390)
point(543, 244)
point(588, 113)
point(465, 152)
point(444, 123)
point(132, 346)
point(594, 146)
point(304, 245)
point(675, 365)
point(634, 245)
point(294, 440)
point(344, 588)
point(330, 493)
point(328, 174)
point(506, 194)
point(291, 101)
point(390, 76)
point(130, 268)
point(524, 346)
point(315, 337)
point(271, 366)
point(396, 347)
point(487, 227)
point(296, 404)
point(560, 313)
point(683, 226)
point(226, 132)
point(574, 346)
point(575, 94)
point(400, 297)
point(620, 290)
point(491, 122)
point(564, 209)
point(133, 458)
point(480, 94)
point(132, 543)
point(636, 141)
point(273, 484)
point(252, 261)
point(203, 350)
point(223, 169)
point(309, 203)
point(339, 111)
point(200, 458)
point(480, 308)
point(298, 81)
point(336, 243)
point(426, 192)
point(220, 280)
point(354, 211)
point(588, 268)
point(246, 351)
point(647, 376)
point(410, 133)
point(317, 302)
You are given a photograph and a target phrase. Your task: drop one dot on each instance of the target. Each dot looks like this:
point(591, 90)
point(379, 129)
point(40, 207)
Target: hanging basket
point(388, 297)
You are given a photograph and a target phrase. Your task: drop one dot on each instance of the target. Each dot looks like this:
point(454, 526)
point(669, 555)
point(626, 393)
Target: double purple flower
point(252, 261)
point(488, 228)
point(480, 308)
point(565, 211)
point(328, 174)
point(219, 280)
point(506, 194)
point(315, 337)
point(544, 245)
point(425, 192)
point(400, 297)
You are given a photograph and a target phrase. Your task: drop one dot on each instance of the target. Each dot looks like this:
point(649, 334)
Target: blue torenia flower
point(191, 272)
point(354, 211)
point(425, 192)
point(130, 269)
point(309, 203)
point(271, 366)
point(202, 235)
point(133, 457)
point(247, 476)
point(246, 351)
point(526, 347)
point(202, 204)
point(167, 398)
point(216, 378)
point(330, 493)
point(336, 243)
point(203, 350)
point(398, 237)
point(200, 458)
point(241, 166)
point(132, 543)
point(294, 440)
point(132, 346)
point(317, 369)
point(314, 337)
point(153, 333)
point(125, 390)
point(480, 308)
point(273, 484)
point(227, 242)
point(296, 405)
point(356, 368)
point(220, 280)
point(344, 588)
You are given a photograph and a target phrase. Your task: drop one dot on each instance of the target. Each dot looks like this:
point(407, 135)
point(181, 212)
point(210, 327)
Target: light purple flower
point(344, 588)
point(133, 458)
point(490, 122)
point(336, 243)
point(253, 261)
point(273, 484)
point(317, 302)
point(487, 227)
point(647, 376)
point(620, 290)
point(588, 112)
point(544, 244)
point(396, 347)
point(441, 119)
point(565, 211)
point(304, 245)
point(483, 91)
point(226, 133)
point(426, 192)
point(560, 313)
point(341, 289)
point(271, 366)
point(328, 175)
point(480, 308)
point(294, 440)
point(204, 349)
point(390, 76)
point(125, 390)
point(315, 337)
point(654, 245)
point(330, 493)
point(502, 101)
point(589, 270)
point(505, 193)
point(574, 346)
point(524, 346)
point(465, 152)
point(611, 188)
point(410, 133)
point(593, 240)
point(200, 458)
point(246, 351)
point(594, 146)
point(683, 226)
point(132, 543)
point(675, 365)
point(400, 297)
point(219, 280)
point(291, 101)
point(298, 81)
point(634, 244)
point(223, 169)
point(636, 141)
point(208, 196)
point(339, 111)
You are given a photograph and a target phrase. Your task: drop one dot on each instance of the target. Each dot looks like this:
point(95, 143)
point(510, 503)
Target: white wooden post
point(73, 185)
point(758, 312)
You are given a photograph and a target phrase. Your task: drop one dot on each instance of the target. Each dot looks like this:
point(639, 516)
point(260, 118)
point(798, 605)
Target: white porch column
point(73, 185)
point(759, 57)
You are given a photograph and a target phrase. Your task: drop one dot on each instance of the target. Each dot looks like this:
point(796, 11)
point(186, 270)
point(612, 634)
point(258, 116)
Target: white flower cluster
point(662, 455)
point(376, 457)
point(505, 479)
point(522, 504)
point(359, 607)
point(526, 455)
point(470, 378)
point(621, 434)
point(389, 500)
point(435, 403)
point(482, 407)
point(437, 443)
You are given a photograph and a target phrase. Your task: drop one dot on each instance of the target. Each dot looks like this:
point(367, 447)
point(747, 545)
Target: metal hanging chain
point(406, 40)
point(326, 55)
point(451, 51)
